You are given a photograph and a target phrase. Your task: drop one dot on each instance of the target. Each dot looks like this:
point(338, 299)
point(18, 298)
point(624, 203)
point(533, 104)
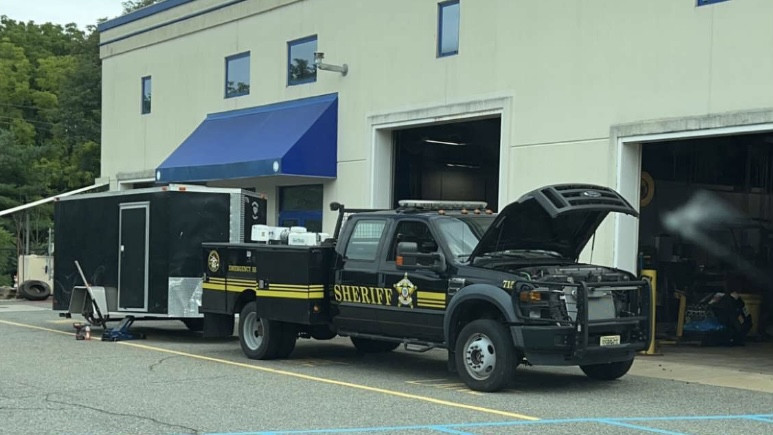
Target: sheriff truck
point(495, 290)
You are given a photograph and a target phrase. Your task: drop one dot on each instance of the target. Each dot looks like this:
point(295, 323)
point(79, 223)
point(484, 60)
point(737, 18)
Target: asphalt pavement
point(175, 381)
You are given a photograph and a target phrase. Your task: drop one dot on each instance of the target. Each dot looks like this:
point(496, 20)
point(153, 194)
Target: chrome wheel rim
point(252, 331)
point(479, 356)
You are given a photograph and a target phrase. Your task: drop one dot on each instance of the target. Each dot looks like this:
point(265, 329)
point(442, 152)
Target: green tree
point(131, 6)
point(50, 96)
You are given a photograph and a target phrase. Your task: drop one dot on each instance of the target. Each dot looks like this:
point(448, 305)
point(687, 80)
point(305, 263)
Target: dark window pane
point(301, 68)
point(146, 92)
point(448, 38)
point(301, 198)
point(237, 72)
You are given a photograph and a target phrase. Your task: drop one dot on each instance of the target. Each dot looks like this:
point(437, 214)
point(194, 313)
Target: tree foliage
point(50, 96)
point(131, 6)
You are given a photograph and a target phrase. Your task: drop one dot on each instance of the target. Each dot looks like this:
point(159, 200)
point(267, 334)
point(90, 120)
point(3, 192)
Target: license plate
point(609, 340)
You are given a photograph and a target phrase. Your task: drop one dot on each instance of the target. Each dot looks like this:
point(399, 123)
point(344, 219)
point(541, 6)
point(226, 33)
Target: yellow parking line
point(306, 377)
point(24, 325)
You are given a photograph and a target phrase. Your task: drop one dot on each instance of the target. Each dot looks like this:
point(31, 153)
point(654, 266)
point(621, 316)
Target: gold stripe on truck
point(430, 300)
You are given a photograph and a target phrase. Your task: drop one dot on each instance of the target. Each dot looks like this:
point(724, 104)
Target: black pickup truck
point(495, 290)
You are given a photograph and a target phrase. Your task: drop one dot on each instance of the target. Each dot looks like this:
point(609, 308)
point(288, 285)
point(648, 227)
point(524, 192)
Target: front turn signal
point(530, 296)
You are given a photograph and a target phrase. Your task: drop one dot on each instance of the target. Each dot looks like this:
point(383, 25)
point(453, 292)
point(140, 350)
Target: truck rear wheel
point(485, 356)
point(259, 338)
point(607, 372)
point(367, 345)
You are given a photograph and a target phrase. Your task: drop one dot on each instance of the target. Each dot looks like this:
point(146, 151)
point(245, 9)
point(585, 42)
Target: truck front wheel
point(259, 338)
point(485, 356)
point(609, 371)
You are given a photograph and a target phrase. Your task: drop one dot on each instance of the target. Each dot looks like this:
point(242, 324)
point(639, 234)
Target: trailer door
point(133, 256)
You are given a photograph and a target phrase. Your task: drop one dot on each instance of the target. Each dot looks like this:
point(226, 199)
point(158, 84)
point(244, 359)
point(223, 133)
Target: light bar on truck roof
point(425, 204)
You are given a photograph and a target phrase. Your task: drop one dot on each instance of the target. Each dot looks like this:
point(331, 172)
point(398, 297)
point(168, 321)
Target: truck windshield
point(462, 234)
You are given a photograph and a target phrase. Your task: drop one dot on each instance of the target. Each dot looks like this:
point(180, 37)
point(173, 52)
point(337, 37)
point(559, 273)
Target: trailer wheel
point(288, 339)
point(259, 338)
point(367, 345)
point(607, 372)
point(485, 356)
point(195, 325)
point(34, 290)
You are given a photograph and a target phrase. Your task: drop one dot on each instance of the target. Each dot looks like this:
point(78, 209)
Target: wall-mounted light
point(318, 56)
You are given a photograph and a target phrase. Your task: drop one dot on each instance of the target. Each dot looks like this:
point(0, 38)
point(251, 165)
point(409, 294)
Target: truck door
point(420, 295)
point(357, 299)
point(133, 256)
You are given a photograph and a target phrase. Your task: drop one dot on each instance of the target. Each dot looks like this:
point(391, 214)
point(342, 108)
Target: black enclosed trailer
point(140, 250)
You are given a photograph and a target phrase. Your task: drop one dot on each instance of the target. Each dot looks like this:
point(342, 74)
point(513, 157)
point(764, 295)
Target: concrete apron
point(748, 367)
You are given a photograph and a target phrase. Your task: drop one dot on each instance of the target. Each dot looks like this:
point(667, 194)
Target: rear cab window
point(363, 245)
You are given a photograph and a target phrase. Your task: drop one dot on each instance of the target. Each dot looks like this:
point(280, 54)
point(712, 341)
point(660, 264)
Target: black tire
point(259, 338)
point(195, 325)
point(485, 356)
point(366, 345)
point(287, 342)
point(34, 290)
point(608, 371)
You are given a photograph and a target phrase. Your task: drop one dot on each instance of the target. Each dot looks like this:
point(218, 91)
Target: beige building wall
point(567, 70)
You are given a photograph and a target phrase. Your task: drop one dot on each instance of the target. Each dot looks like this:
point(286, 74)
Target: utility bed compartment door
point(293, 283)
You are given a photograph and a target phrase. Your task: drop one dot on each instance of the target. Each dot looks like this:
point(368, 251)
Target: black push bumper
point(579, 342)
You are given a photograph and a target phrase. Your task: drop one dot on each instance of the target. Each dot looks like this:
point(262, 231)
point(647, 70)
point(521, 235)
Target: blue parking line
point(639, 427)
point(449, 430)
point(456, 428)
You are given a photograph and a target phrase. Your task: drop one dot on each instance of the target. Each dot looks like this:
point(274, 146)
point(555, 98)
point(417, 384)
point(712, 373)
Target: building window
point(708, 2)
point(145, 95)
point(300, 61)
point(448, 28)
point(237, 75)
point(301, 206)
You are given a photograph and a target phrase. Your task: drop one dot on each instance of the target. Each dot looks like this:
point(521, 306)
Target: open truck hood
point(560, 218)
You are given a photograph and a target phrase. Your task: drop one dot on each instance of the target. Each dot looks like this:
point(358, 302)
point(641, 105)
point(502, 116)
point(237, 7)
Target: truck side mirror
point(406, 253)
point(409, 258)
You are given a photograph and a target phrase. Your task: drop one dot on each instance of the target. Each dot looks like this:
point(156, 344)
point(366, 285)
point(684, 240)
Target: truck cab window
point(363, 244)
point(412, 231)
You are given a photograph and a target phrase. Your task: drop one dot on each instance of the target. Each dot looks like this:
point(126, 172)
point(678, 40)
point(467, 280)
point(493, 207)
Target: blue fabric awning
point(297, 137)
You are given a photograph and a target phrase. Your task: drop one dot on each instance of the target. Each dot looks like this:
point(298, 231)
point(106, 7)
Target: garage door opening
point(738, 171)
point(453, 161)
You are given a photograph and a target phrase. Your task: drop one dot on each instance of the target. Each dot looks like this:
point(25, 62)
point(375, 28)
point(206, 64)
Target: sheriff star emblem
point(213, 261)
point(405, 289)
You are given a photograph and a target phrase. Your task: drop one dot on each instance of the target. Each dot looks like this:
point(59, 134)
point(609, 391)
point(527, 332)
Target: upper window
point(145, 95)
point(300, 61)
point(448, 28)
point(237, 75)
point(363, 244)
point(708, 2)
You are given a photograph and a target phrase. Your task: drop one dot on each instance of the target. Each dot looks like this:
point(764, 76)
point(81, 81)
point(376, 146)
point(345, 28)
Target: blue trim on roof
point(298, 138)
point(708, 2)
point(141, 13)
